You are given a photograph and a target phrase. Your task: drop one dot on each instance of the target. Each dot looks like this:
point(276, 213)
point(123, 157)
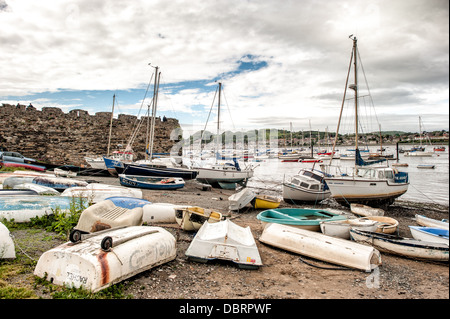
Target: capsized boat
point(17, 192)
point(128, 202)
point(156, 213)
point(105, 215)
point(97, 192)
point(266, 202)
point(7, 248)
point(406, 247)
point(341, 228)
point(240, 199)
point(39, 189)
point(59, 183)
point(299, 217)
point(364, 210)
point(385, 225)
point(319, 246)
point(151, 182)
point(22, 208)
point(430, 222)
point(107, 257)
point(225, 240)
point(436, 235)
point(192, 218)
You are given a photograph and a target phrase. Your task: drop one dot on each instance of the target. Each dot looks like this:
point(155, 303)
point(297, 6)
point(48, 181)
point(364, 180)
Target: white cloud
point(107, 45)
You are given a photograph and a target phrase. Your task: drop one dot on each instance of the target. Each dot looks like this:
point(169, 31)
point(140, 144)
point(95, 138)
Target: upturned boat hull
point(316, 245)
point(430, 222)
point(107, 258)
point(435, 235)
point(7, 248)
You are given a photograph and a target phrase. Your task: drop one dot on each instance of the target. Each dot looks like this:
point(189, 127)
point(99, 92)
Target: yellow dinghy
point(192, 218)
point(266, 202)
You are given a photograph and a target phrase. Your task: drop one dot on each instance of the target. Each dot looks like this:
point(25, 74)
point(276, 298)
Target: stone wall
point(56, 137)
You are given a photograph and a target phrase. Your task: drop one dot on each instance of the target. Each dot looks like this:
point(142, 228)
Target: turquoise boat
point(299, 217)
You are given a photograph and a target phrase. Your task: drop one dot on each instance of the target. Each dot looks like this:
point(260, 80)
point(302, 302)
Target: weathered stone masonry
point(56, 137)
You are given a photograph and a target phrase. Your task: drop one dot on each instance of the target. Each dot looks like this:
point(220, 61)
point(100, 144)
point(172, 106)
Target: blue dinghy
point(151, 182)
point(431, 234)
point(303, 218)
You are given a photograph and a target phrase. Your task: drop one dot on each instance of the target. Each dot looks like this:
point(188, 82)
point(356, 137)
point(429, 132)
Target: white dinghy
point(430, 222)
point(406, 247)
point(319, 246)
point(40, 189)
point(105, 215)
point(240, 199)
point(7, 248)
point(366, 211)
point(156, 213)
point(107, 257)
point(226, 241)
point(97, 192)
point(341, 228)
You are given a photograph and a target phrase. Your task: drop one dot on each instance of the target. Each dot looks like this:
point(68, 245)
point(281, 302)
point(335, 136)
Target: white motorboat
point(307, 185)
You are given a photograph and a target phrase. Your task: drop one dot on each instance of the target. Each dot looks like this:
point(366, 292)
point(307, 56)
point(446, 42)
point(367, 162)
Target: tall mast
point(355, 87)
point(218, 119)
point(110, 125)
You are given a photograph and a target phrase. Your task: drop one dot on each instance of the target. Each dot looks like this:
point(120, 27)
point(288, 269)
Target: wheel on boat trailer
point(106, 243)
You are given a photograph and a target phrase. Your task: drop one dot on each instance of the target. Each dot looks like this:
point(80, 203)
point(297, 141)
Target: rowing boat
point(437, 235)
point(319, 246)
point(406, 247)
point(430, 222)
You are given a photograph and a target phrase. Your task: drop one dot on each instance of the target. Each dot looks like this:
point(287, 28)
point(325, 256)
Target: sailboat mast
point(110, 125)
point(155, 102)
point(355, 87)
point(218, 118)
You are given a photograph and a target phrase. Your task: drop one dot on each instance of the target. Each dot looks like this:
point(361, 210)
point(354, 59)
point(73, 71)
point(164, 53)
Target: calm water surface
point(426, 185)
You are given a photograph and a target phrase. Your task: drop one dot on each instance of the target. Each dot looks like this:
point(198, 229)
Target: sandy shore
point(283, 275)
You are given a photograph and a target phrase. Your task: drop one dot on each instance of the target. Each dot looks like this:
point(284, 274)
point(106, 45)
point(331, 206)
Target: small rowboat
point(226, 241)
point(151, 182)
point(317, 245)
point(341, 228)
point(437, 235)
point(385, 225)
point(266, 202)
point(241, 199)
point(59, 183)
point(406, 247)
point(107, 257)
point(97, 192)
point(303, 218)
point(364, 210)
point(192, 218)
point(430, 222)
point(7, 248)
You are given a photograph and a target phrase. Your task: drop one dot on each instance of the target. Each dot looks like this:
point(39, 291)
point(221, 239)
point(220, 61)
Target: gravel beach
point(284, 275)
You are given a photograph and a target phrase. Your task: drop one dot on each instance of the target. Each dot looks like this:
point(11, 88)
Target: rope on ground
point(18, 246)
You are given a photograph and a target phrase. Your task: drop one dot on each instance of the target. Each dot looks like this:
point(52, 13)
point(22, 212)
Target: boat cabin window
point(313, 176)
point(381, 174)
point(389, 174)
point(305, 185)
point(295, 181)
point(315, 186)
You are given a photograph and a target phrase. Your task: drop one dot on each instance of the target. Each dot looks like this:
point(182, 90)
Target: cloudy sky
point(281, 62)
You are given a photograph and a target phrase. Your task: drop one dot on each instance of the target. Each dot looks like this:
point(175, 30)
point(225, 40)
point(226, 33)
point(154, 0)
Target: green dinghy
point(299, 217)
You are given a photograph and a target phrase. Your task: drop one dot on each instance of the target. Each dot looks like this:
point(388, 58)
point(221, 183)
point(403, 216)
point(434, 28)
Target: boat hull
point(341, 228)
point(7, 248)
point(151, 182)
point(406, 247)
point(226, 241)
point(368, 192)
point(364, 210)
point(97, 192)
point(316, 245)
point(294, 193)
point(85, 264)
point(184, 173)
point(266, 202)
point(22, 208)
point(436, 235)
point(430, 222)
point(192, 218)
point(302, 218)
point(241, 199)
point(215, 176)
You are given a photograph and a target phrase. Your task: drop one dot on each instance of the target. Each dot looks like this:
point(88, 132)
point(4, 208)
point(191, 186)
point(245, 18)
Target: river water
point(426, 185)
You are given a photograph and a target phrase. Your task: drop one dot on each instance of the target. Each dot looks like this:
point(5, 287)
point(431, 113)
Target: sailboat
point(150, 166)
point(419, 151)
point(224, 175)
point(106, 162)
point(367, 184)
